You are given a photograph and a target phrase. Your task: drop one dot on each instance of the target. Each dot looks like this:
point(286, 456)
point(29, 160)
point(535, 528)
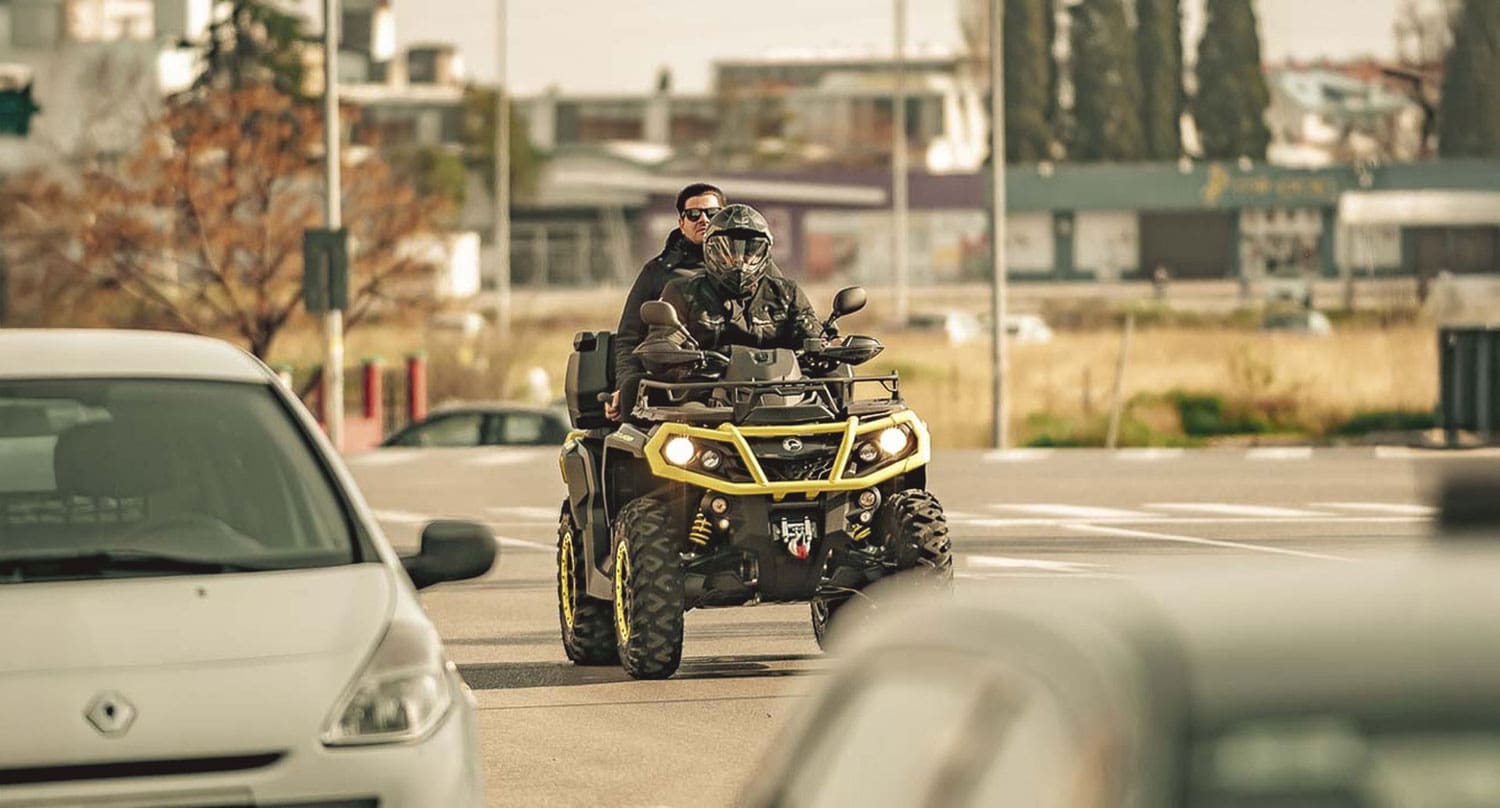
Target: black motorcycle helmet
point(737, 249)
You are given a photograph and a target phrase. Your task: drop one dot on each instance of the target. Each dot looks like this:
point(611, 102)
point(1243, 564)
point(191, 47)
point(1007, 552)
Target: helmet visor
point(729, 250)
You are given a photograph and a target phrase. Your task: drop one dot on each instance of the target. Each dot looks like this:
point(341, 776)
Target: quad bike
point(756, 476)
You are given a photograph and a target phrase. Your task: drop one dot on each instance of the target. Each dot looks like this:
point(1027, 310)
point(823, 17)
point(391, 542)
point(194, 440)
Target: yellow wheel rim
point(565, 589)
point(622, 608)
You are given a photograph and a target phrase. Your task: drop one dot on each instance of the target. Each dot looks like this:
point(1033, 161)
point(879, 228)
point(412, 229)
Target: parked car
point(198, 606)
point(1323, 687)
point(485, 424)
point(1307, 322)
point(964, 327)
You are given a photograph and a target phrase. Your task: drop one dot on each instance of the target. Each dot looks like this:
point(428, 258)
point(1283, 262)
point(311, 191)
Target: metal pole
point(502, 177)
point(899, 175)
point(333, 319)
point(998, 354)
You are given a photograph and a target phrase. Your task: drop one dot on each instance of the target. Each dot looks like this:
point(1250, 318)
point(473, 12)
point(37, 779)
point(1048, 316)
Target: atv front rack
point(748, 402)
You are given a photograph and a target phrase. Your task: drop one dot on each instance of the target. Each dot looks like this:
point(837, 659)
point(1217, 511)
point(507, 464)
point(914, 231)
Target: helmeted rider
point(741, 298)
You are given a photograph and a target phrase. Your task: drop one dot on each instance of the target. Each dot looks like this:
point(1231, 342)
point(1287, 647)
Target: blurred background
point(1285, 201)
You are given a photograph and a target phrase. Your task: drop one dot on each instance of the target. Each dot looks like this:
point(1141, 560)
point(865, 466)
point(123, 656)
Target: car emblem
point(792, 445)
point(110, 713)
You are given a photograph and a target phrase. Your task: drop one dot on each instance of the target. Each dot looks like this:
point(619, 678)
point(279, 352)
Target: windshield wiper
point(77, 565)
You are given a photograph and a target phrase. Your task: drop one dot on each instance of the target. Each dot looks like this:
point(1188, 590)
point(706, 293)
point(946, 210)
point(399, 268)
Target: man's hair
point(697, 189)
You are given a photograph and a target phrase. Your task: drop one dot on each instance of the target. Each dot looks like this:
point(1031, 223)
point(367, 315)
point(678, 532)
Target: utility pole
point(899, 176)
point(998, 354)
point(333, 318)
point(502, 177)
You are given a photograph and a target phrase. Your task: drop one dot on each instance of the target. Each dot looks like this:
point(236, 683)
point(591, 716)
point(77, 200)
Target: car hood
point(221, 664)
point(175, 620)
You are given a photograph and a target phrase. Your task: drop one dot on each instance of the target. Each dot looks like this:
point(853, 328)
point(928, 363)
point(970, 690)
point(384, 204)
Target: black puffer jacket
point(777, 315)
point(680, 258)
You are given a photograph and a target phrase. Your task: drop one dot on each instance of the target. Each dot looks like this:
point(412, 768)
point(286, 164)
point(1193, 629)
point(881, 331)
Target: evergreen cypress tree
point(1028, 131)
point(1106, 85)
point(1230, 107)
point(1469, 120)
point(1159, 57)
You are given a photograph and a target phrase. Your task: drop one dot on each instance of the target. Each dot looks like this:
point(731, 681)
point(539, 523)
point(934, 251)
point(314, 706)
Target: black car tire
point(588, 624)
point(916, 534)
point(648, 578)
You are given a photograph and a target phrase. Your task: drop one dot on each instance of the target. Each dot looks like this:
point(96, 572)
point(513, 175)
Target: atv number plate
point(796, 529)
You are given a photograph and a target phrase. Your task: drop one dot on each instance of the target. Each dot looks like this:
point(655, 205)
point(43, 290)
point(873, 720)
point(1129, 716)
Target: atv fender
point(581, 462)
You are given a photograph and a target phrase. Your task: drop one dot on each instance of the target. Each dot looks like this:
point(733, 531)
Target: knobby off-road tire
point(824, 609)
point(916, 536)
point(588, 624)
point(648, 591)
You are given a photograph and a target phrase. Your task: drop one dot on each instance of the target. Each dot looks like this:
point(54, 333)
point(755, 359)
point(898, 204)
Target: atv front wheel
point(648, 591)
point(588, 626)
point(823, 610)
point(916, 534)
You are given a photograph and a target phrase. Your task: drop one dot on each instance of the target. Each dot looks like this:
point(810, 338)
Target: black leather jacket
point(776, 315)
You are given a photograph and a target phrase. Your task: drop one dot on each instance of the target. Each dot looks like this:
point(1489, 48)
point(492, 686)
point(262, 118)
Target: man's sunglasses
point(694, 214)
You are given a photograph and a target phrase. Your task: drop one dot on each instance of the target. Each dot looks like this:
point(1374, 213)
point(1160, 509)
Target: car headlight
point(679, 451)
point(894, 440)
point(401, 695)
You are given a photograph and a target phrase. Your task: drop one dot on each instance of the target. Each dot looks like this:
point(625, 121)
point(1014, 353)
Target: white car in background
point(196, 605)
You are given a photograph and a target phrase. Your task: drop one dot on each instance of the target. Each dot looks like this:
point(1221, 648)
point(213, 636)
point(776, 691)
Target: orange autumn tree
point(200, 228)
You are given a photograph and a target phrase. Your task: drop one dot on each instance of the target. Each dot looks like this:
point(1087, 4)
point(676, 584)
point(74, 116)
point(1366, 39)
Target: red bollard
point(416, 387)
point(373, 395)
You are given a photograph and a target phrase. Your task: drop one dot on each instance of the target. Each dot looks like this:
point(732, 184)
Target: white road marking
point(503, 457)
point(1149, 454)
point(1227, 509)
point(1280, 453)
point(1017, 455)
point(1001, 562)
point(383, 457)
point(1203, 520)
point(1088, 512)
point(1435, 453)
point(1379, 507)
point(404, 517)
point(508, 541)
point(526, 513)
point(1233, 545)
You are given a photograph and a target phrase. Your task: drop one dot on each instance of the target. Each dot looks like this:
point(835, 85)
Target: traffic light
point(16, 109)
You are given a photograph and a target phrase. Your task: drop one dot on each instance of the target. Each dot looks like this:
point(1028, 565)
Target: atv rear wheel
point(648, 581)
point(916, 535)
point(588, 625)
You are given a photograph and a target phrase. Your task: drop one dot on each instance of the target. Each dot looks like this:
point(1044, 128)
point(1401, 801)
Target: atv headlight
point(711, 460)
point(867, 453)
point(894, 440)
point(679, 451)
point(401, 695)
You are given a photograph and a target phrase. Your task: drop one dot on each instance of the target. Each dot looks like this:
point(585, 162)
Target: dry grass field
point(1301, 386)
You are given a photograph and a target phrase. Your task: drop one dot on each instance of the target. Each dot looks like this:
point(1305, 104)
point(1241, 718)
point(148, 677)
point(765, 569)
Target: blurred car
point(485, 424)
point(963, 327)
point(199, 608)
point(1322, 687)
point(1307, 322)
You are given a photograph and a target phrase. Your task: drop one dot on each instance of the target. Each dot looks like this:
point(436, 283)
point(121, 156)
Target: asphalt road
point(556, 734)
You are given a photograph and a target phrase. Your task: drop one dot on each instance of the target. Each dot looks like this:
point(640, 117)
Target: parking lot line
point(1172, 537)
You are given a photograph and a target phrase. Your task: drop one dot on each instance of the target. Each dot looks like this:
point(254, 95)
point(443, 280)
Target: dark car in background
point(485, 424)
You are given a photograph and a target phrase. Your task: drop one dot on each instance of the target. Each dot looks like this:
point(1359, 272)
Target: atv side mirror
point(849, 300)
point(660, 313)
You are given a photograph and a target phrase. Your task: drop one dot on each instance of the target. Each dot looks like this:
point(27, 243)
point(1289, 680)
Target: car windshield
point(100, 478)
point(1329, 762)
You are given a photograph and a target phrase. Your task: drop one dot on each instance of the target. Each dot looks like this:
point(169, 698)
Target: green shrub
point(1363, 423)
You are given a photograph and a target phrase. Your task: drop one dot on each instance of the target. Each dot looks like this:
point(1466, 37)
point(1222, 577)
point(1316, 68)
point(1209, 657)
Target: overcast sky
point(616, 46)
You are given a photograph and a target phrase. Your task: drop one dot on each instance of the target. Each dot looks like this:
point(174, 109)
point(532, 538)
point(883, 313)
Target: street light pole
point(333, 318)
point(998, 355)
point(899, 176)
point(502, 178)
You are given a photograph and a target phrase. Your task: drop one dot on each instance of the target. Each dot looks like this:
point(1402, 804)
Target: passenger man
point(681, 257)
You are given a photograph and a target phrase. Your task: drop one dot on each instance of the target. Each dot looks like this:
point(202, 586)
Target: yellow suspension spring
point(859, 533)
point(701, 531)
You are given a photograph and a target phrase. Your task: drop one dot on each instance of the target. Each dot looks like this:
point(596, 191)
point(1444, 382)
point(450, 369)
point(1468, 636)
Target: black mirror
point(452, 550)
point(659, 313)
point(849, 300)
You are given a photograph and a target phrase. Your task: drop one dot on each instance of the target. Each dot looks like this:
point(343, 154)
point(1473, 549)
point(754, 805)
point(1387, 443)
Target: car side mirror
point(452, 550)
point(660, 313)
point(849, 300)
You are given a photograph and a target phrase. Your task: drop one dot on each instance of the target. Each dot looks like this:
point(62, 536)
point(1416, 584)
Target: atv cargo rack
point(755, 402)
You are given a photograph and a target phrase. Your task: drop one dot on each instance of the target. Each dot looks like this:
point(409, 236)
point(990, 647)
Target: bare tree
point(200, 229)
